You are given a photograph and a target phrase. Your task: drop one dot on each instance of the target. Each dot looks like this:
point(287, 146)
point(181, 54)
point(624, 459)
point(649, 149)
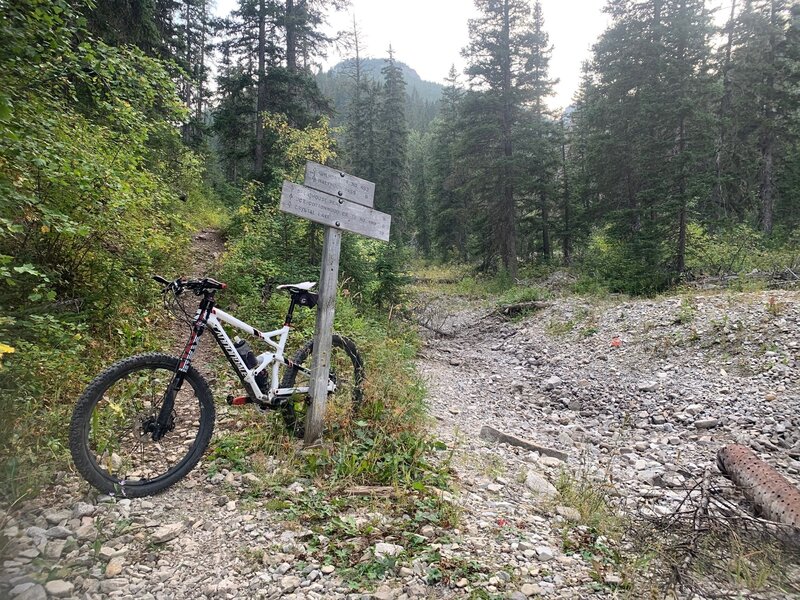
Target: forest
point(126, 127)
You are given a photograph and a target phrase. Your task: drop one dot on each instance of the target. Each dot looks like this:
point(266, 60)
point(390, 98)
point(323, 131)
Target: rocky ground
point(638, 395)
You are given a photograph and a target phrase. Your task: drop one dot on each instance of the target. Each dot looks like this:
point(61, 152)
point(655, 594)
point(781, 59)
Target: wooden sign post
point(341, 202)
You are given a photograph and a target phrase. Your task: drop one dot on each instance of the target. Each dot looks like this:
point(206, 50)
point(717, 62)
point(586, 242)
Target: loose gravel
point(640, 393)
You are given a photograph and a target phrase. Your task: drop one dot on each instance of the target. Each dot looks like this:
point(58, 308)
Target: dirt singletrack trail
point(203, 260)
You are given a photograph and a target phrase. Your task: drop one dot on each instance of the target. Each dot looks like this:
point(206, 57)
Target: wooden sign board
point(341, 202)
point(341, 185)
point(334, 212)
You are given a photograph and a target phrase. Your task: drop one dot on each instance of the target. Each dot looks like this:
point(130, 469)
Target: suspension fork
point(165, 422)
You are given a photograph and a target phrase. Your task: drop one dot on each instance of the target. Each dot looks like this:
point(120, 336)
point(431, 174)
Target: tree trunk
point(766, 188)
point(261, 100)
point(507, 225)
point(198, 115)
point(291, 37)
point(547, 250)
point(187, 87)
point(566, 240)
point(718, 193)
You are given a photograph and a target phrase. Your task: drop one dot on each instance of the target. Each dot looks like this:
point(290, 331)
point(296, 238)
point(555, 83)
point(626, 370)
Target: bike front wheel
point(111, 436)
point(347, 373)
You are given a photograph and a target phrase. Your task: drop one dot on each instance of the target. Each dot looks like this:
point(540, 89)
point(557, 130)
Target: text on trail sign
point(334, 211)
point(341, 185)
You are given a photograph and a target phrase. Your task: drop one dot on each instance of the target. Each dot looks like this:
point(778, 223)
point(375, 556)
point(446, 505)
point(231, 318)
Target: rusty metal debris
point(775, 498)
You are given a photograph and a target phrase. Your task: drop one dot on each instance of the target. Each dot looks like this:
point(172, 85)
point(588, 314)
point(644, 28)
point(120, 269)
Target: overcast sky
point(428, 35)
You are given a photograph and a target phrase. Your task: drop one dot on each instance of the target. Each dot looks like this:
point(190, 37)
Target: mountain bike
point(145, 422)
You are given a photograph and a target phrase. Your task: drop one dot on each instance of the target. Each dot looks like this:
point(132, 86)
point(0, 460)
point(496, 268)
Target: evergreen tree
point(763, 105)
point(537, 137)
point(392, 142)
point(451, 214)
point(419, 151)
point(499, 58)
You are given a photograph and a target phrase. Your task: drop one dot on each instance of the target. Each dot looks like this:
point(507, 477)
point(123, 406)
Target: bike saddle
point(300, 287)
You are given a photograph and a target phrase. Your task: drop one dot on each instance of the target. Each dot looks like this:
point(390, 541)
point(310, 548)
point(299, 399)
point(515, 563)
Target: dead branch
point(519, 307)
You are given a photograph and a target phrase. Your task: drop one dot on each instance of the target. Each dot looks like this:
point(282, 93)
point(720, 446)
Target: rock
point(384, 549)
point(530, 589)
point(647, 386)
point(295, 488)
point(706, 423)
point(114, 566)
point(112, 585)
point(82, 509)
point(18, 589)
point(544, 554)
point(251, 479)
point(384, 592)
point(289, 583)
point(35, 592)
point(770, 396)
point(36, 534)
point(462, 583)
point(166, 533)
point(569, 513)
point(327, 569)
point(54, 517)
point(59, 588)
point(552, 382)
point(517, 596)
point(54, 549)
point(59, 532)
point(540, 486)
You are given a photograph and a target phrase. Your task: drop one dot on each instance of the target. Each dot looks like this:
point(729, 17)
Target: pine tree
point(419, 188)
point(499, 58)
point(451, 215)
point(392, 130)
point(763, 104)
point(538, 134)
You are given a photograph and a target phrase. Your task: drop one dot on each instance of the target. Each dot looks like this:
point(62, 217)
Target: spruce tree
point(499, 58)
point(451, 213)
point(392, 148)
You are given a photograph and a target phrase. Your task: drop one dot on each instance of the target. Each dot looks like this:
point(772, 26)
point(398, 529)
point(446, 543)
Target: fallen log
point(519, 307)
point(772, 495)
point(490, 434)
point(382, 491)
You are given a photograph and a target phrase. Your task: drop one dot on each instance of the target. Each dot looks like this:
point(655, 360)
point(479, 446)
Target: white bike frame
point(267, 360)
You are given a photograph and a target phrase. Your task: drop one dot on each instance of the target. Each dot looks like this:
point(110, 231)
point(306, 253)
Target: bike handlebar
point(198, 286)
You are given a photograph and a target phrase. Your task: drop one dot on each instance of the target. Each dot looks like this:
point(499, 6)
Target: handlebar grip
point(160, 280)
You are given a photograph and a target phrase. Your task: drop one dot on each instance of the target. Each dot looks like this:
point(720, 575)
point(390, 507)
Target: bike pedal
point(239, 400)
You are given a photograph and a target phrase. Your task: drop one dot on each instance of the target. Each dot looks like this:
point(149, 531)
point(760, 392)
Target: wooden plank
point(321, 354)
point(341, 185)
point(334, 212)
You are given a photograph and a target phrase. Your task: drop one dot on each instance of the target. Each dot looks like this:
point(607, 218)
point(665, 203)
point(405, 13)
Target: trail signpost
point(340, 202)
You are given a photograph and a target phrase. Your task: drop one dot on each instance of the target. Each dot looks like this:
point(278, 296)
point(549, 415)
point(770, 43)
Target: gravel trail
point(641, 393)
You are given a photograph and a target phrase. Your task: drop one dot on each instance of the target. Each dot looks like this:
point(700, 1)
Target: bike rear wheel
point(111, 429)
point(347, 372)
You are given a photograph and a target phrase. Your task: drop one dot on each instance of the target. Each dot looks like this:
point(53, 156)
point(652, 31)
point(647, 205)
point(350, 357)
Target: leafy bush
point(637, 266)
point(91, 175)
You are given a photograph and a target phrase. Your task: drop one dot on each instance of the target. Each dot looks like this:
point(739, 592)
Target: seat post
point(288, 321)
